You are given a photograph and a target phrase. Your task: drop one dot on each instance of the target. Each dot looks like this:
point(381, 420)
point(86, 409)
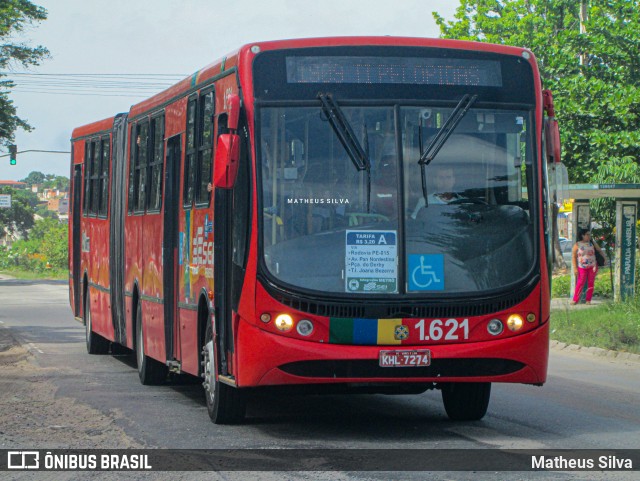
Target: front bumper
point(266, 359)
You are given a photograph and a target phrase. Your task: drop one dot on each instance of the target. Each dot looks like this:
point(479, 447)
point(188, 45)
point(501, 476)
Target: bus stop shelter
point(626, 197)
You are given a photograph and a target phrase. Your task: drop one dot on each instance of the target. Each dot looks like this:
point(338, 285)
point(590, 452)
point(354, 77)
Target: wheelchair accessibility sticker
point(426, 272)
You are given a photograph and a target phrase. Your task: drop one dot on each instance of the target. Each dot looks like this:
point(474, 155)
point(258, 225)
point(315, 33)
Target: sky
point(176, 37)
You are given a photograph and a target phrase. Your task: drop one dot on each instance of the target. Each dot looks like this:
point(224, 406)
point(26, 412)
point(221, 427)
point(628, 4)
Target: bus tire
point(96, 344)
point(150, 371)
point(225, 404)
point(466, 401)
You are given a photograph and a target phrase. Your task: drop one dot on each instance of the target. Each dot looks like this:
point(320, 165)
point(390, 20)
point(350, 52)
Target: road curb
point(595, 351)
point(7, 340)
point(29, 282)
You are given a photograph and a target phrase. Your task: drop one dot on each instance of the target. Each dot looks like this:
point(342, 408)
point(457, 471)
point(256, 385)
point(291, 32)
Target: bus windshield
point(330, 227)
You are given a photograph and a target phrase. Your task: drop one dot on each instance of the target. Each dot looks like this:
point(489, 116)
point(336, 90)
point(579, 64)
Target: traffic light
point(13, 152)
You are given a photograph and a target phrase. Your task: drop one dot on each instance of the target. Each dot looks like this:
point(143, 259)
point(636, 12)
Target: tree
point(15, 15)
point(34, 178)
point(19, 218)
point(55, 245)
point(592, 66)
point(56, 182)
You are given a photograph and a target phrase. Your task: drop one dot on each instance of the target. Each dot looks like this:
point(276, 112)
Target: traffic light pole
point(13, 153)
point(45, 151)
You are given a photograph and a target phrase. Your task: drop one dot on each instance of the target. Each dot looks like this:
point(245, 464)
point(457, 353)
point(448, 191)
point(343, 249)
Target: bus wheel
point(466, 401)
point(150, 371)
point(96, 344)
point(226, 404)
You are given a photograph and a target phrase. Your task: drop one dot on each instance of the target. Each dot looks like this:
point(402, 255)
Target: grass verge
point(50, 274)
point(614, 326)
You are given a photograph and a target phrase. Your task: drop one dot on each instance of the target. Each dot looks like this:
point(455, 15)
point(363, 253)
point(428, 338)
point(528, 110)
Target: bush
point(45, 249)
point(562, 285)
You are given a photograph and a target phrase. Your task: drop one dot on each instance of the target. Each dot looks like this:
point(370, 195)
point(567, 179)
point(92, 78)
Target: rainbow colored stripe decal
point(367, 331)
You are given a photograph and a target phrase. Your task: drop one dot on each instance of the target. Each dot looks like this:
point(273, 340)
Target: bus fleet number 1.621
point(448, 330)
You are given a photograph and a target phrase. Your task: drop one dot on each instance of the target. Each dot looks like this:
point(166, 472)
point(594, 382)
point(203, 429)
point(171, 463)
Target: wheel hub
point(208, 371)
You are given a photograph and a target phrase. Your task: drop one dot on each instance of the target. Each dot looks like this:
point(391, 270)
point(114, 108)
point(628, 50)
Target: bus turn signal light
point(515, 322)
point(284, 322)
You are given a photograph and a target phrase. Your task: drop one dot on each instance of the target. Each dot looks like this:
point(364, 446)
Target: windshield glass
point(330, 227)
point(474, 230)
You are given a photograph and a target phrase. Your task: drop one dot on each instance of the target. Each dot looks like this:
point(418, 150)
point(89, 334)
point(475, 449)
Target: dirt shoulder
point(33, 416)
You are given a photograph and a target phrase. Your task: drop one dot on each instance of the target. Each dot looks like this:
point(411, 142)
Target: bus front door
point(170, 244)
point(76, 247)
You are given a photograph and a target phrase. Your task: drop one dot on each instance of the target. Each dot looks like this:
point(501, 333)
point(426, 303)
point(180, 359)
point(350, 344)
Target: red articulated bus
point(364, 213)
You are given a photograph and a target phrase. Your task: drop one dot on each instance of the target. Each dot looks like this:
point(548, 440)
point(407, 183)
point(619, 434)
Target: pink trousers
point(585, 275)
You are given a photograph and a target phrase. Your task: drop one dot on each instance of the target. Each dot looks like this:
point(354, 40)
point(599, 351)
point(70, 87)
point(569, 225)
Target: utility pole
point(583, 29)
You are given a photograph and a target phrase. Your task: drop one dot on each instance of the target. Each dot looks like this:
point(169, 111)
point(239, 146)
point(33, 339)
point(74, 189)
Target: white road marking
point(34, 348)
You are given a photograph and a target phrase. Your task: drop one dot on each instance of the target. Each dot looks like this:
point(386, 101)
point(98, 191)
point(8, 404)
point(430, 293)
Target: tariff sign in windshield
point(371, 262)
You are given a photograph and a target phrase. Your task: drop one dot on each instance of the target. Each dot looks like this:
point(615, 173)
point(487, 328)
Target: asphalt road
point(587, 403)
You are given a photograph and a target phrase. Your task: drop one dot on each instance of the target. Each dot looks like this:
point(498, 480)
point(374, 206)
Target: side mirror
point(552, 140)
point(551, 129)
point(225, 168)
point(233, 111)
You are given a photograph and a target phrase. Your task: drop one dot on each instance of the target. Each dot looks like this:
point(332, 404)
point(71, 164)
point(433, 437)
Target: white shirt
point(433, 199)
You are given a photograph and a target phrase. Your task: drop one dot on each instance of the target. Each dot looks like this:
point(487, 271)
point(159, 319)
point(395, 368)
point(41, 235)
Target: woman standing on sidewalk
point(585, 267)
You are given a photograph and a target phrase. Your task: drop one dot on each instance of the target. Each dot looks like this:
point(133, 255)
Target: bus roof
point(236, 58)
point(93, 128)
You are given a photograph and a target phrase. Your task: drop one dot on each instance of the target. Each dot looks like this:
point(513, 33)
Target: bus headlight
point(305, 327)
point(515, 322)
point(495, 327)
point(265, 317)
point(284, 322)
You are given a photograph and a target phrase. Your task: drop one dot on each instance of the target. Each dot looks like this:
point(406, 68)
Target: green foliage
point(44, 212)
point(19, 218)
point(42, 227)
point(56, 182)
point(610, 326)
point(47, 181)
point(45, 249)
point(15, 17)
point(34, 178)
point(595, 76)
point(561, 286)
point(620, 171)
point(54, 245)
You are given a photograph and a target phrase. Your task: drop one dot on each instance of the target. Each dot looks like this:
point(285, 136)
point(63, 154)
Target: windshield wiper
point(344, 132)
point(441, 137)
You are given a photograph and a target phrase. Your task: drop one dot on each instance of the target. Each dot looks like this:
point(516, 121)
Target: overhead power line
point(111, 85)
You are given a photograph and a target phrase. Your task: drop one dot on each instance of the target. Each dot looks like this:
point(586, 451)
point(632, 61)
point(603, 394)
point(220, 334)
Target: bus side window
point(205, 147)
point(132, 171)
point(190, 157)
point(104, 178)
point(87, 176)
point(141, 160)
point(156, 164)
point(241, 202)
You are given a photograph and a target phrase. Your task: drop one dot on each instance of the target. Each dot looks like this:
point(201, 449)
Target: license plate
point(420, 357)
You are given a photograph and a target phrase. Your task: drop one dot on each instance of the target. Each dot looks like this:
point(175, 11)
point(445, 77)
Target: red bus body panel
point(259, 352)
